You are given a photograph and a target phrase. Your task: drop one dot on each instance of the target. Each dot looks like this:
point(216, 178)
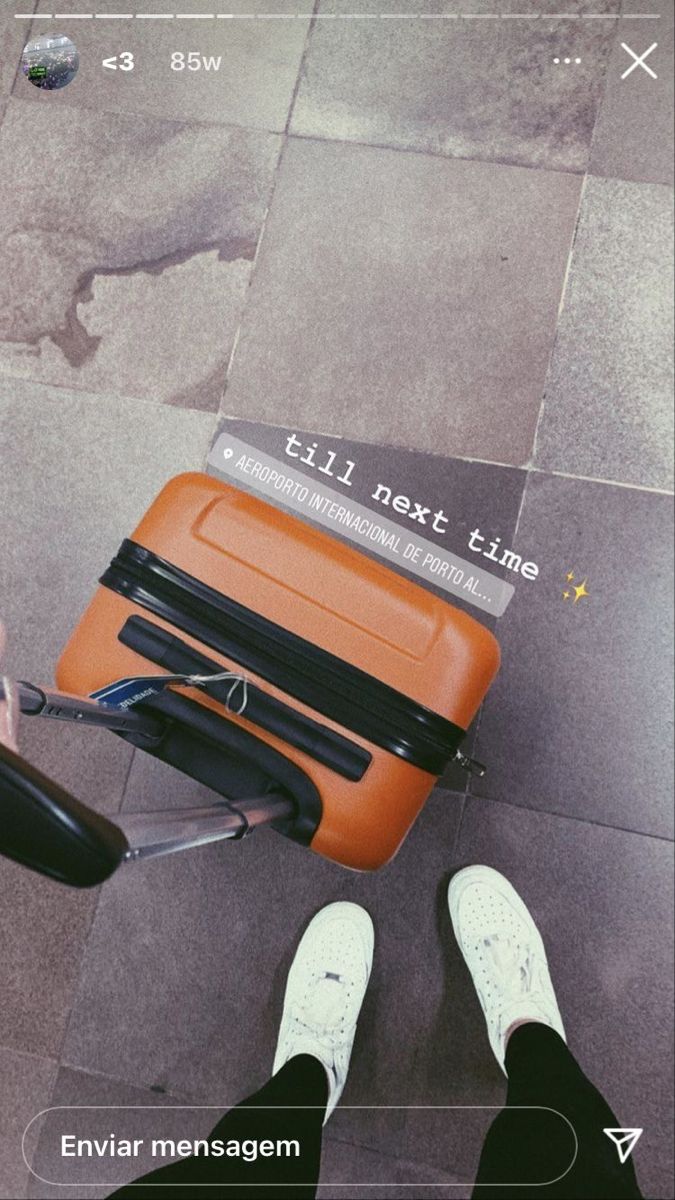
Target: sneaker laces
point(323, 1012)
point(512, 962)
point(516, 967)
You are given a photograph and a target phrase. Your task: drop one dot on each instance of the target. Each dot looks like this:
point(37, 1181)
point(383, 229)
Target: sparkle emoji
point(579, 590)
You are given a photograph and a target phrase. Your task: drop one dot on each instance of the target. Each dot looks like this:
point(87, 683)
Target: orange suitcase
point(360, 685)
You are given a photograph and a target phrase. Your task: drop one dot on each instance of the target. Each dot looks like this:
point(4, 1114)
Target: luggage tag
point(124, 693)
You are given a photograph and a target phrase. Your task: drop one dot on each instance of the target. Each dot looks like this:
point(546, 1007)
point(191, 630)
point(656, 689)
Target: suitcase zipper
point(344, 693)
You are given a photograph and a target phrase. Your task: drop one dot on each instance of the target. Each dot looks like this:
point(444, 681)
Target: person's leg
point(564, 1150)
point(324, 993)
point(289, 1109)
point(537, 1145)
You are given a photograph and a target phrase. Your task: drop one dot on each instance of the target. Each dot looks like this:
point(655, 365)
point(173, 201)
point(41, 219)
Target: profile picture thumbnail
point(50, 61)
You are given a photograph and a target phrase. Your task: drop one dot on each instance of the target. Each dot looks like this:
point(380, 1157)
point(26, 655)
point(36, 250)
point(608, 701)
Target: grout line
point(125, 785)
point(635, 487)
point(545, 812)
point(428, 152)
point(602, 100)
point(39, 1055)
point(284, 141)
point(17, 74)
point(138, 1085)
point(458, 832)
point(49, 1097)
point(525, 468)
point(85, 940)
point(77, 988)
point(561, 306)
point(566, 279)
point(516, 527)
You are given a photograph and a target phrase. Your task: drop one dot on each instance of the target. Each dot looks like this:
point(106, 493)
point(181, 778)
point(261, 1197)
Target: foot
point(503, 950)
point(324, 993)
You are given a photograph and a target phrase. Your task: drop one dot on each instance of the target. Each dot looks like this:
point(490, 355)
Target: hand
point(9, 705)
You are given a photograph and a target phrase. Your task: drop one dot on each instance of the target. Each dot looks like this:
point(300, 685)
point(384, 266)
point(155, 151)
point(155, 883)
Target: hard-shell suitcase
point(360, 685)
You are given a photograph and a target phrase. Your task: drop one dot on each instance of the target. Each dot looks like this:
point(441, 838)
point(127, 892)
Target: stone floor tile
point(480, 89)
point(608, 410)
point(252, 85)
point(25, 1086)
point(403, 299)
point(578, 721)
point(128, 251)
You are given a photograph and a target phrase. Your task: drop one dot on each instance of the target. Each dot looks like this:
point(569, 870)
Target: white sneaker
point(324, 993)
point(503, 950)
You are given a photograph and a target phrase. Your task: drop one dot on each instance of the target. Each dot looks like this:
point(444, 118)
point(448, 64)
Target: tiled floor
point(90, 1095)
point(388, 312)
point(94, 463)
point(140, 293)
point(607, 411)
point(422, 244)
point(253, 86)
point(602, 897)
point(633, 135)
point(473, 90)
point(578, 721)
point(27, 1082)
point(12, 34)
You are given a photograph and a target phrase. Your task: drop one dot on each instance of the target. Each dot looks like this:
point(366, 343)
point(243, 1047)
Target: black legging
point(523, 1147)
point(300, 1088)
point(536, 1145)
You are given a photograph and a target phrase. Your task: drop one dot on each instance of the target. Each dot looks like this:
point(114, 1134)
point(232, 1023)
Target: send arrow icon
point(625, 1141)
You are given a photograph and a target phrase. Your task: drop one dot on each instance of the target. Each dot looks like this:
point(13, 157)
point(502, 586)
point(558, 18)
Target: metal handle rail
point(152, 834)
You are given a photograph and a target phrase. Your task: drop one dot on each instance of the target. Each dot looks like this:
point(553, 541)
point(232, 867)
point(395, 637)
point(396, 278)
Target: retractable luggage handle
point(44, 827)
point(37, 702)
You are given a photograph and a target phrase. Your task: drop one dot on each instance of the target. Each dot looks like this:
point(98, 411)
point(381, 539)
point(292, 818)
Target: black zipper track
point(337, 689)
